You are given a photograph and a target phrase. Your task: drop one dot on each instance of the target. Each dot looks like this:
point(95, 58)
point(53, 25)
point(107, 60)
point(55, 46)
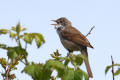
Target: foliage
point(60, 64)
point(17, 53)
point(112, 67)
point(117, 72)
point(38, 71)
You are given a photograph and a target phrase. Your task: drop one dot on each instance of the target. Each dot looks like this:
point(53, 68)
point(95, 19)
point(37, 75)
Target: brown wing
point(72, 34)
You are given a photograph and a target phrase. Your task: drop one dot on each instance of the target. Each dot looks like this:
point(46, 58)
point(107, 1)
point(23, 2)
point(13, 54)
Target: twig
point(112, 68)
point(90, 31)
point(23, 62)
point(7, 71)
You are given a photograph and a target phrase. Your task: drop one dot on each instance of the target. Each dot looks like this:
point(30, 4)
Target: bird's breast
point(69, 45)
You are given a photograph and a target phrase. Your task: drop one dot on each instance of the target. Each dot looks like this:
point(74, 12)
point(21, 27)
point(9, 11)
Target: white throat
point(60, 27)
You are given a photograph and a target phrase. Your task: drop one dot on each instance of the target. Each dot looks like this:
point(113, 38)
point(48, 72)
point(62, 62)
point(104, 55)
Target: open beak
point(53, 20)
point(54, 24)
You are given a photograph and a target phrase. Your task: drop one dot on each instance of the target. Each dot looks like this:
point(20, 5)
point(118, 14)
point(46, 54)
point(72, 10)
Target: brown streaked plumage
point(73, 40)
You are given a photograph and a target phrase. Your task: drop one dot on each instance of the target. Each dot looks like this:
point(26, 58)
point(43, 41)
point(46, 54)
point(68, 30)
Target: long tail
point(85, 53)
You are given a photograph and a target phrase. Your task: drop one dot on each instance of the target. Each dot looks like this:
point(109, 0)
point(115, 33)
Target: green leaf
point(28, 38)
point(39, 39)
point(21, 51)
point(76, 60)
point(11, 53)
point(12, 35)
point(4, 31)
point(69, 74)
point(3, 61)
point(108, 67)
point(3, 46)
point(38, 71)
point(72, 59)
point(79, 59)
point(85, 75)
point(47, 71)
point(57, 65)
point(34, 70)
point(117, 72)
point(18, 28)
point(21, 28)
point(16, 52)
point(13, 28)
point(67, 60)
point(78, 74)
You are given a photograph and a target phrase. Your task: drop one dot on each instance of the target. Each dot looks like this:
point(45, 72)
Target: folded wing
point(72, 34)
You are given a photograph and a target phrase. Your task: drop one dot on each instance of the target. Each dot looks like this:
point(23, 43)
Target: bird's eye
point(60, 21)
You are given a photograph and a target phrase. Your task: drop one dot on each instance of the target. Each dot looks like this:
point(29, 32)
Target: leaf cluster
point(117, 72)
point(59, 64)
point(17, 53)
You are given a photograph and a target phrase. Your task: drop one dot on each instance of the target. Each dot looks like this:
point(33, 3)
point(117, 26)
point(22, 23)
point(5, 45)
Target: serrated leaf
point(117, 72)
point(37, 71)
point(78, 74)
point(30, 70)
point(4, 31)
point(76, 60)
point(28, 38)
point(69, 74)
point(79, 59)
point(39, 39)
point(85, 75)
point(16, 52)
point(57, 65)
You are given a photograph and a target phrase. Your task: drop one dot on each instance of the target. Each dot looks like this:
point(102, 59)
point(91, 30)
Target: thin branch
point(90, 31)
point(23, 62)
point(112, 68)
point(8, 69)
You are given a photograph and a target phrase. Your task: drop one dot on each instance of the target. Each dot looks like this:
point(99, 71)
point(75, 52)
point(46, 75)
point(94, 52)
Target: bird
point(73, 40)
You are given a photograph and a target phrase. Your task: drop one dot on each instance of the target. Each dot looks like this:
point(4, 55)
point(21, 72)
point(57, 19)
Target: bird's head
point(62, 22)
